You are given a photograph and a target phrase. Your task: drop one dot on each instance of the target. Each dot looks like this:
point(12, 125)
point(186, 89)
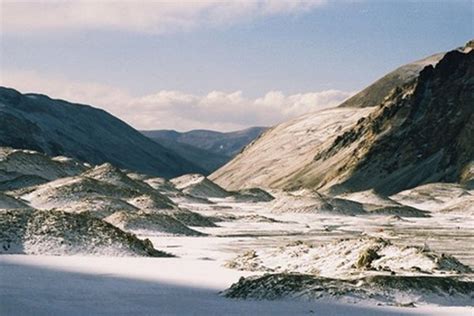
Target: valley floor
point(191, 283)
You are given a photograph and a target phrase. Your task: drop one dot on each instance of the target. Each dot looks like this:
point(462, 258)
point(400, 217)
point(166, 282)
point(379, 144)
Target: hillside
point(419, 133)
point(56, 127)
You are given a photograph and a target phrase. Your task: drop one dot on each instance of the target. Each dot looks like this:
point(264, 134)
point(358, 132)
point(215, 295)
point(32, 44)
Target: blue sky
point(161, 73)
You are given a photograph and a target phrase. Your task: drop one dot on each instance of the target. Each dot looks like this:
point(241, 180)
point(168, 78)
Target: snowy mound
point(434, 196)
point(99, 206)
point(163, 186)
point(377, 204)
point(8, 202)
point(64, 192)
point(190, 218)
point(369, 197)
point(61, 233)
point(347, 258)
point(386, 290)
point(308, 201)
point(168, 189)
point(150, 223)
point(112, 175)
point(154, 201)
point(253, 195)
point(305, 201)
point(199, 186)
point(61, 192)
point(146, 197)
point(105, 190)
point(15, 163)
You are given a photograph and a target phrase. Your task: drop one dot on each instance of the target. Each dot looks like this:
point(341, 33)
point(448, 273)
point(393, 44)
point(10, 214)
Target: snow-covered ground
point(223, 242)
point(49, 285)
point(191, 283)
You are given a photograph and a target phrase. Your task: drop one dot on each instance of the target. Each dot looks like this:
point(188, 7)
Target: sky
point(222, 65)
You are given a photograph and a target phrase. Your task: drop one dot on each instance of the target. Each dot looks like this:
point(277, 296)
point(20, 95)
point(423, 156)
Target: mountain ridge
point(57, 127)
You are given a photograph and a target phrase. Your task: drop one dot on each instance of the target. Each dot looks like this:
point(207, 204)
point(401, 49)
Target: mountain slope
point(284, 149)
point(421, 132)
point(56, 127)
point(228, 144)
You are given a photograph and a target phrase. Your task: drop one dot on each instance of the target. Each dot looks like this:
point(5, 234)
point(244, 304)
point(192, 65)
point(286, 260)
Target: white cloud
point(178, 110)
point(138, 15)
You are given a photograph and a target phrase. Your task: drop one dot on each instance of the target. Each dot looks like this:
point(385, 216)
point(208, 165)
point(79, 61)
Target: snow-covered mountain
point(56, 127)
point(416, 127)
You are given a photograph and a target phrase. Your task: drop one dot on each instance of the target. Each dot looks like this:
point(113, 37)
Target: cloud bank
point(178, 110)
point(139, 15)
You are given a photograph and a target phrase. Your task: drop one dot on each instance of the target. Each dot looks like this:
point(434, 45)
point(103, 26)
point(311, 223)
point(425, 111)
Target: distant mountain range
point(411, 127)
point(227, 144)
point(209, 149)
